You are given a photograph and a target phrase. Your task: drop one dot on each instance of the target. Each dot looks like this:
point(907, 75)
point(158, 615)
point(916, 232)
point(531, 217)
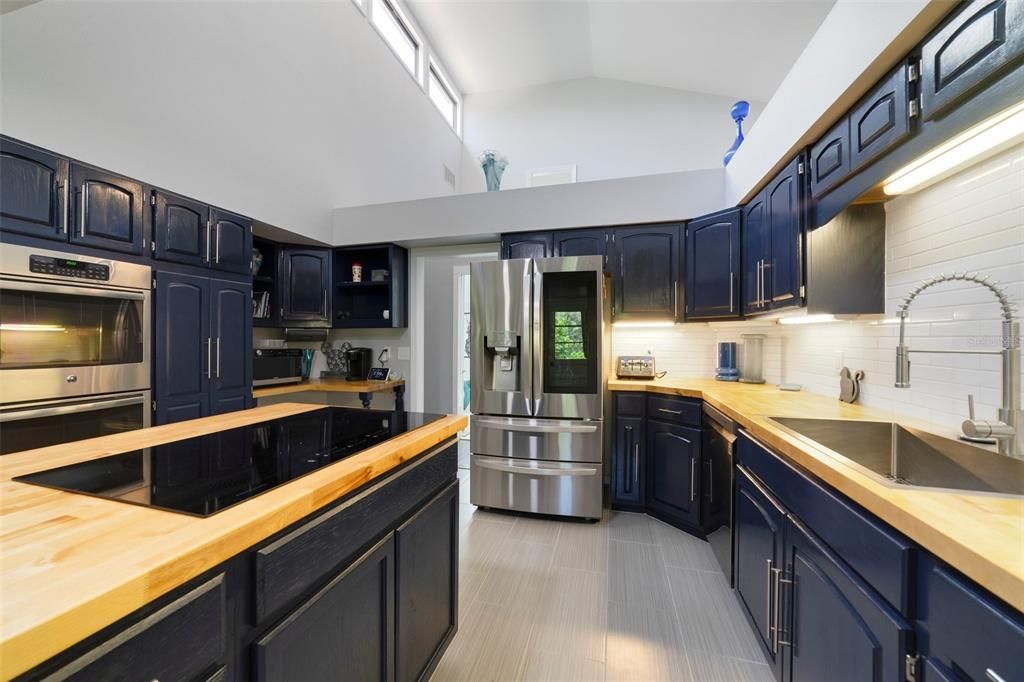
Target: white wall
point(973, 221)
point(608, 128)
point(281, 111)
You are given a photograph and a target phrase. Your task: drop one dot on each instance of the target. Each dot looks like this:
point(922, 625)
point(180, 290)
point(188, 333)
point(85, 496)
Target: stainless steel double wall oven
point(74, 347)
point(539, 357)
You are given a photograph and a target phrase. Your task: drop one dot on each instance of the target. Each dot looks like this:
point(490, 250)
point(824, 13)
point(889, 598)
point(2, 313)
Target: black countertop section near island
point(207, 474)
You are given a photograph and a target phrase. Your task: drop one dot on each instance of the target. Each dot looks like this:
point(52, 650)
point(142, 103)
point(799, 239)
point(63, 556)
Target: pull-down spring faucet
point(1007, 430)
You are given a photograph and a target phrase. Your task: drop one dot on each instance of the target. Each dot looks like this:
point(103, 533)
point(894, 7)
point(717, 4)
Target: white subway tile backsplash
point(973, 221)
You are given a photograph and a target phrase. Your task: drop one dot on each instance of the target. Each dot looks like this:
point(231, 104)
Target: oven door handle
point(70, 289)
point(536, 471)
point(18, 415)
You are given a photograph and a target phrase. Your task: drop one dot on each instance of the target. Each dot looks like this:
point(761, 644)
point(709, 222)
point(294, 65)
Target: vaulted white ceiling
point(735, 48)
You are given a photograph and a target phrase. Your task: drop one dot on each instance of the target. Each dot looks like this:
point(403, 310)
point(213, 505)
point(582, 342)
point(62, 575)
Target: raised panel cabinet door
point(713, 266)
point(830, 159)
point(984, 40)
point(784, 212)
point(305, 276)
point(581, 243)
point(231, 335)
point(673, 472)
point(881, 120)
point(33, 191)
point(628, 464)
point(107, 210)
point(345, 631)
point(646, 272)
point(427, 594)
point(527, 245)
point(181, 352)
point(231, 242)
point(754, 253)
point(758, 534)
point(833, 625)
point(179, 229)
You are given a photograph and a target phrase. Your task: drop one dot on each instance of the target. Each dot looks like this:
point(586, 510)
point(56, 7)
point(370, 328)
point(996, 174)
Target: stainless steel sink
point(913, 457)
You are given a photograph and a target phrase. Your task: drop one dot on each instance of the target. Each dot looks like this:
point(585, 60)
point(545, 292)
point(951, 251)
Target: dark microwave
point(276, 366)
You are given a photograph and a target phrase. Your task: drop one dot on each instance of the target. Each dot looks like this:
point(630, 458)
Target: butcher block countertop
point(328, 385)
point(72, 564)
point(982, 535)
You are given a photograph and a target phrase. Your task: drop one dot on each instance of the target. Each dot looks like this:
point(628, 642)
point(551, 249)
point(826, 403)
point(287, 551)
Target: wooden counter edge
point(25, 650)
point(327, 386)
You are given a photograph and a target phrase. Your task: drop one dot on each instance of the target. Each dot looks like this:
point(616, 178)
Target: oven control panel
point(66, 267)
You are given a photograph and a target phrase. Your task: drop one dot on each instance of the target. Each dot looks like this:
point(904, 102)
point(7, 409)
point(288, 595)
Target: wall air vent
point(449, 176)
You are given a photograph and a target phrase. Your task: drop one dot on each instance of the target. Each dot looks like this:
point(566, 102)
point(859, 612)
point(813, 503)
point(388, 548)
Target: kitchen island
point(92, 586)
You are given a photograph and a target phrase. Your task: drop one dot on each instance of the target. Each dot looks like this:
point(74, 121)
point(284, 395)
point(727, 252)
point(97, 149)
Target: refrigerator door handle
point(536, 336)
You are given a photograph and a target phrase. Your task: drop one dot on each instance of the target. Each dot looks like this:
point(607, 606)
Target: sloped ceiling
point(732, 48)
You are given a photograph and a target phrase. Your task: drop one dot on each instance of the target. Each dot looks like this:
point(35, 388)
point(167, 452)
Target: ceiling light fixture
point(992, 135)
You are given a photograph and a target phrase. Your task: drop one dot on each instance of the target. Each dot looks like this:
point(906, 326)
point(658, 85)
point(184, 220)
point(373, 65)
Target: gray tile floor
point(629, 598)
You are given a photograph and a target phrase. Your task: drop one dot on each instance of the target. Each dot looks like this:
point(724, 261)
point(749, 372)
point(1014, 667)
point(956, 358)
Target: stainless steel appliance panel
point(39, 424)
point(570, 345)
point(502, 353)
point(719, 438)
point(548, 439)
point(558, 488)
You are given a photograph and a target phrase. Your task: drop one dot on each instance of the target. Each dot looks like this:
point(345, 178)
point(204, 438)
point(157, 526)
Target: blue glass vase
point(738, 112)
point(493, 165)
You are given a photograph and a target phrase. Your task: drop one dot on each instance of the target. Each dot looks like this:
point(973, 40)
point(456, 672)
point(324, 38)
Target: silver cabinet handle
point(779, 581)
point(636, 462)
point(764, 283)
point(216, 241)
point(208, 228)
point(768, 603)
point(668, 411)
point(693, 478)
point(325, 303)
point(757, 286)
point(732, 277)
point(217, 340)
point(209, 358)
point(81, 213)
point(65, 190)
point(993, 675)
point(630, 445)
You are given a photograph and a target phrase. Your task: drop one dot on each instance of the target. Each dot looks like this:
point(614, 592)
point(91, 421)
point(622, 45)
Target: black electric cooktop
point(204, 475)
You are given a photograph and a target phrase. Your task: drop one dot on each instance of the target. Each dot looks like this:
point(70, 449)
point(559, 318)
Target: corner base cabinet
point(364, 589)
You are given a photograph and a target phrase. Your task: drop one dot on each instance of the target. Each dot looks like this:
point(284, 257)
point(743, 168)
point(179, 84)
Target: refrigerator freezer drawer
point(559, 488)
point(563, 440)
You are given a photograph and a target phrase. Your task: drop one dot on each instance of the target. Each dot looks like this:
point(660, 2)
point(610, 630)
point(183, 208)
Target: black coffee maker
point(359, 362)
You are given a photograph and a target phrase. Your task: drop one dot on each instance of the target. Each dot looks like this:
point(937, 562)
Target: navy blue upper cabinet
point(179, 228)
point(759, 534)
point(527, 245)
point(673, 488)
point(231, 335)
point(107, 210)
point(756, 252)
point(831, 624)
point(646, 272)
point(305, 283)
point(977, 45)
point(33, 191)
point(784, 213)
point(881, 120)
point(713, 266)
point(182, 357)
point(962, 628)
point(581, 243)
point(231, 242)
point(830, 158)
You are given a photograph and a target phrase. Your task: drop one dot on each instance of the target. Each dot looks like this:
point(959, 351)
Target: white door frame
point(457, 272)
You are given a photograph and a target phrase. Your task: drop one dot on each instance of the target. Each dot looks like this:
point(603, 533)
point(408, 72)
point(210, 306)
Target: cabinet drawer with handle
point(686, 411)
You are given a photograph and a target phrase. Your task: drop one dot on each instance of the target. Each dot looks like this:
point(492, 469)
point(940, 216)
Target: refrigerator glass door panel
point(502, 352)
point(560, 488)
point(548, 439)
point(568, 331)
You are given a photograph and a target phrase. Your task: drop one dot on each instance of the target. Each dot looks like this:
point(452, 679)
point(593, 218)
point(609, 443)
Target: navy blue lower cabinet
point(628, 464)
point(831, 624)
point(759, 533)
point(231, 336)
point(181, 351)
point(963, 632)
point(673, 489)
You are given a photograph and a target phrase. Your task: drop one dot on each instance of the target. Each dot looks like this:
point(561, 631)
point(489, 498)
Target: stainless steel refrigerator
point(539, 356)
